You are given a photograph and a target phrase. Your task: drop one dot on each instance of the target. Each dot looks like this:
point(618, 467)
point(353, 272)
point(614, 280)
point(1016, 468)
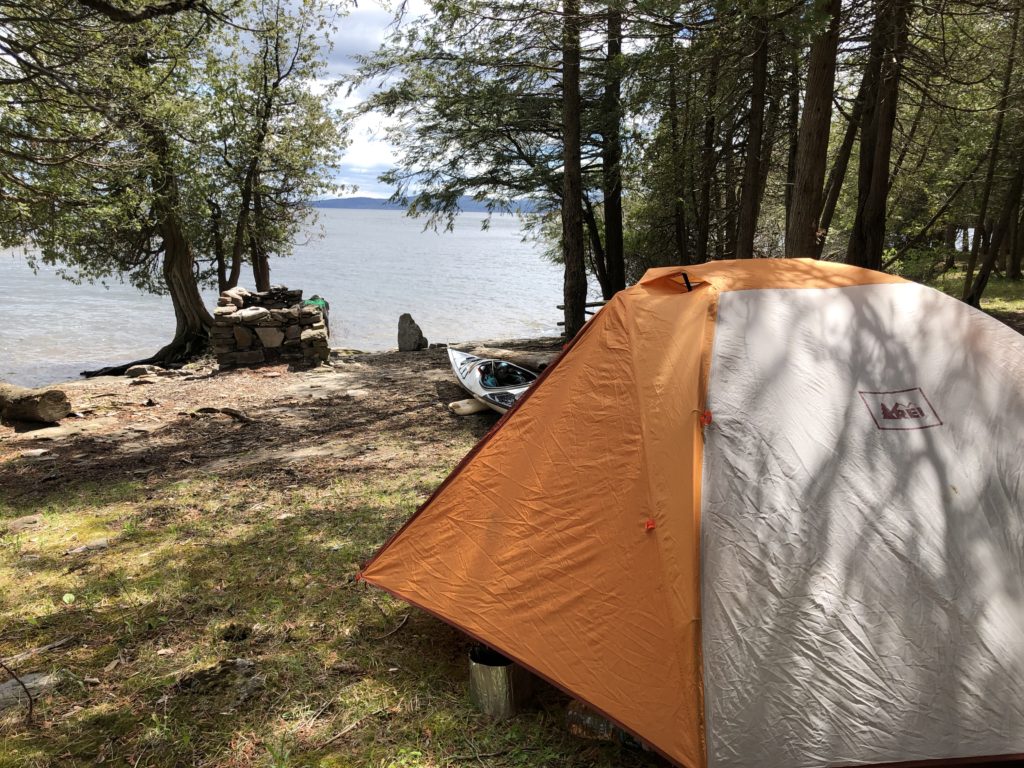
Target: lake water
point(370, 265)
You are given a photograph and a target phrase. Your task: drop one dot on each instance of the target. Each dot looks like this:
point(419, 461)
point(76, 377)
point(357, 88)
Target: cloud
point(369, 154)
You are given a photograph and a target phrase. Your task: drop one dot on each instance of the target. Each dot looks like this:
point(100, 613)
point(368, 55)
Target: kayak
point(495, 383)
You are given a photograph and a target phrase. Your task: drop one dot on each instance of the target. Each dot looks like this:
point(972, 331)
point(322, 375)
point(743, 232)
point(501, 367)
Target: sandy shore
point(171, 423)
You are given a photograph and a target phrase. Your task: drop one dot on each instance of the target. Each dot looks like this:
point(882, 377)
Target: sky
point(368, 154)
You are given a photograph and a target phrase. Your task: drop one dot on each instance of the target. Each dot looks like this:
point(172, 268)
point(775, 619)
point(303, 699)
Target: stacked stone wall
point(271, 326)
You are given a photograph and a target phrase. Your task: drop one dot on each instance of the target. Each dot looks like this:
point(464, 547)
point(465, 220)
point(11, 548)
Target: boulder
point(43, 405)
point(140, 370)
point(410, 337)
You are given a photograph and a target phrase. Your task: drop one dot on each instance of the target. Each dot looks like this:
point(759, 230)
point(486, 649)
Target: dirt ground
point(178, 579)
point(327, 418)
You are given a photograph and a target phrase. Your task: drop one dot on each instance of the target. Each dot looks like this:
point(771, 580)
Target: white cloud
point(369, 154)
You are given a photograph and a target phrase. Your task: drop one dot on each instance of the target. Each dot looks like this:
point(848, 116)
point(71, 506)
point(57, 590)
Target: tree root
point(174, 355)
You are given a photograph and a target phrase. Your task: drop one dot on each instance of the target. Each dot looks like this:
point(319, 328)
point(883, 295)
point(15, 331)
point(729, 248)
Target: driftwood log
point(533, 361)
point(467, 407)
point(21, 404)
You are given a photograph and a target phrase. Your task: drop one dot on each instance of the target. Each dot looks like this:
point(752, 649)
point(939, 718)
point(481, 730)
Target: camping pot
point(497, 686)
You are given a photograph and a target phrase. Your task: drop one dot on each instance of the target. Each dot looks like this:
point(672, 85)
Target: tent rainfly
point(762, 513)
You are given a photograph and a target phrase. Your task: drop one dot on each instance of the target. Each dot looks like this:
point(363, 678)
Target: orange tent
point(762, 513)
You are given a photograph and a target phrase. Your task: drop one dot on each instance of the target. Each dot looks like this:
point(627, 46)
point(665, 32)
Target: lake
point(370, 265)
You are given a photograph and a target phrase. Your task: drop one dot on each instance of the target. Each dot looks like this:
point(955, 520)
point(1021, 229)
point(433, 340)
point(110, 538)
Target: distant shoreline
point(466, 204)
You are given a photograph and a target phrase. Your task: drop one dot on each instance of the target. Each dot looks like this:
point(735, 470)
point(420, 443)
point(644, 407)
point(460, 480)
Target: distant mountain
point(381, 204)
point(359, 203)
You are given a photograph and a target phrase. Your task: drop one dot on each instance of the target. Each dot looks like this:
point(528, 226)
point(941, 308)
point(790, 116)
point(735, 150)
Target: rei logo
point(901, 409)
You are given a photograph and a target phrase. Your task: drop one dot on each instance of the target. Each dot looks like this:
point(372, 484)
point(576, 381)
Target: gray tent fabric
point(862, 530)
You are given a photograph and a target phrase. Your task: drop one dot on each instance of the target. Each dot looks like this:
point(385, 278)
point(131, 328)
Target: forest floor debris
point(222, 625)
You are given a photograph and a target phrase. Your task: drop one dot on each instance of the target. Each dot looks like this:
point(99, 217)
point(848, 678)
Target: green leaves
point(82, 181)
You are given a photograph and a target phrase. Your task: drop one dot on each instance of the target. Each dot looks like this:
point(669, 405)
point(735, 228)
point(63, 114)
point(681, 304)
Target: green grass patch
point(257, 567)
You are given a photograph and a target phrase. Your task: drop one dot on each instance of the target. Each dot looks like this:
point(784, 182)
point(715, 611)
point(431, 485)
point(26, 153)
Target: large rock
point(140, 370)
point(44, 405)
point(410, 337)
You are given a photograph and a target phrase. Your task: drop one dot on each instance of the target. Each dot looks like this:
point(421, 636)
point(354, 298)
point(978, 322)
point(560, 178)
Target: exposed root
point(174, 355)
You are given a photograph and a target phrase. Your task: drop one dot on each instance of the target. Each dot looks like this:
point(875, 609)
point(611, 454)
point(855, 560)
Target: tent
point(760, 513)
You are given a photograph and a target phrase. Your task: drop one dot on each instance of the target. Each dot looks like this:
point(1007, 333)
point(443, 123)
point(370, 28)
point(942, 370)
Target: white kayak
point(495, 383)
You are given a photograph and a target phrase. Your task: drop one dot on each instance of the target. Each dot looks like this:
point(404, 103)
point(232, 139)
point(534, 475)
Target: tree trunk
point(750, 197)
point(598, 259)
point(771, 130)
point(867, 241)
point(575, 283)
point(192, 320)
point(949, 240)
point(970, 294)
point(707, 165)
point(242, 227)
point(260, 257)
point(837, 175)
point(949, 236)
point(999, 231)
point(217, 234)
point(611, 156)
point(725, 244)
point(792, 130)
point(679, 229)
point(802, 232)
point(1013, 266)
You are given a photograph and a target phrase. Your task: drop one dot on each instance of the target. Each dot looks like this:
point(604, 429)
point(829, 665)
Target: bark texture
point(802, 231)
point(43, 405)
point(888, 44)
point(750, 191)
point(575, 283)
point(611, 159)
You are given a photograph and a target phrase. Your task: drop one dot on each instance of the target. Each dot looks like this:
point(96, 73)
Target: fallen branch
point(43, 405)
point(234, 413)
point(351, 727)
point(393, 631)
point(41, 649)
point(31, 701)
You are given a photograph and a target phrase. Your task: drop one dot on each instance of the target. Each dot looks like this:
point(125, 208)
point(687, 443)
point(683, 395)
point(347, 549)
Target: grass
point(1003, 298)
point(1001, 295)
point(254, 564)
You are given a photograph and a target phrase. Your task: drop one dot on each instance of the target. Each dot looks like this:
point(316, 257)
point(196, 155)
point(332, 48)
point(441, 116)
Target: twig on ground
point(351, 727)
point(480, 755)
point(41, 649)
point(393, 631)
point(319, 712)
point(31, 701)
